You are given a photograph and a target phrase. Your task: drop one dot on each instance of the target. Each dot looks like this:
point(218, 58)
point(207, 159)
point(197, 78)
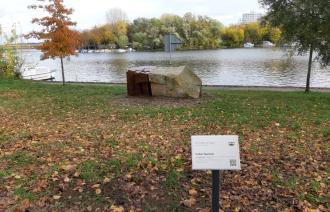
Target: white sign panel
point(215, 152)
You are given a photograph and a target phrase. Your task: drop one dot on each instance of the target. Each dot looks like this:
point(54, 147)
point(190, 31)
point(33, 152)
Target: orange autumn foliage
point(59, 40)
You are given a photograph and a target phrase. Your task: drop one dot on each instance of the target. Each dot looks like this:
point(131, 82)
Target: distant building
point(251, 17)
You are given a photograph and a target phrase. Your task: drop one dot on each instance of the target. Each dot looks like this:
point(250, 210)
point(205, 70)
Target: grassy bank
point(88, 147)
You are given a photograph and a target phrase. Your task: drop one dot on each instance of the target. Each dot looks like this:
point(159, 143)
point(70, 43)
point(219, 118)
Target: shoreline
point(223, 87)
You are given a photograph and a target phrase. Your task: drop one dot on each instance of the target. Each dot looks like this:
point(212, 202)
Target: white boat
point(99, 51)
point(267, 44)
point(248, 45)
point(107, 51)
point(131, 50)
point(120, 50)
point(38, 73)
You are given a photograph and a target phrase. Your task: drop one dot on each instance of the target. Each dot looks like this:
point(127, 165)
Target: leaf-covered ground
point(89, 148)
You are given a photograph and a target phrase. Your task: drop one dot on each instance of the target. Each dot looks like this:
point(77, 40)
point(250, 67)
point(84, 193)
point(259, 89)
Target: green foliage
point(122, 41)
point(236, 35)
point(10, 63)
point(233, 36)
point(196, 32)
point(305, 23)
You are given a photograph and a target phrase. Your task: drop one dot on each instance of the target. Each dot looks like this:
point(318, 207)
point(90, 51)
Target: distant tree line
point(196, 32)
point(237, 35)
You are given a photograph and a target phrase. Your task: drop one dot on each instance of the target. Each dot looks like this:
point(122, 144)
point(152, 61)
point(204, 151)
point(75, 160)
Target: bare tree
point(116, 15)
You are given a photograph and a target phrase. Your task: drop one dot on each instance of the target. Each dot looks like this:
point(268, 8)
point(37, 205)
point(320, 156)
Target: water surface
point(239, 67)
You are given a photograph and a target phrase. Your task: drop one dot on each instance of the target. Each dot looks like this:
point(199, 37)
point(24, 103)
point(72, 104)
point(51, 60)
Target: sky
point(89, 13)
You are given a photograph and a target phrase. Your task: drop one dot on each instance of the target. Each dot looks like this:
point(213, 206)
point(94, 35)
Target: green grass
point(133, 160)
point(48, 125)
point(172, 180)
point(292, 182)
point(24, 194)
point(115, 166)
point(92, 171)
point(256, 108)
point(20, 159)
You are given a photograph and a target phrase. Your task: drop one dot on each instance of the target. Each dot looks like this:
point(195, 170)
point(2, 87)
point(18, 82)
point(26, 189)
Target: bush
point(10, 62)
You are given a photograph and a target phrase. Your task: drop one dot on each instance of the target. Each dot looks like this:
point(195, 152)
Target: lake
point(236, 67)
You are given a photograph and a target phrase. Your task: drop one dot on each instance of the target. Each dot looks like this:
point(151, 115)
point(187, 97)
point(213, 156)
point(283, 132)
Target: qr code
point(232, 162)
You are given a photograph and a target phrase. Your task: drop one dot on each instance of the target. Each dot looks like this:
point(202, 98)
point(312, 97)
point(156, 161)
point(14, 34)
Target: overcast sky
point(90, 13)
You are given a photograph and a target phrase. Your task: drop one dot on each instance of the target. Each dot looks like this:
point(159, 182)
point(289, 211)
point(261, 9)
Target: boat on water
point(120, 50)
point(106, 50)
point(267, 44)
point(38, 73)
point(131, 50)
point(248, 45)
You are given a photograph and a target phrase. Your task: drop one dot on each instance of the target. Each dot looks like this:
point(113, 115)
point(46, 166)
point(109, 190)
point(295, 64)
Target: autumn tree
point(305, 23)
point(233, 36)
point(252, 33)
point(59, 40)
point(117, 20)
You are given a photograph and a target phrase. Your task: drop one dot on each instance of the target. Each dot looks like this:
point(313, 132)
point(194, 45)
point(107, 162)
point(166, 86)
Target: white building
point(251, 17)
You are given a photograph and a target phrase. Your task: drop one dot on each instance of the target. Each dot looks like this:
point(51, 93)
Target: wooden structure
point(138, 83)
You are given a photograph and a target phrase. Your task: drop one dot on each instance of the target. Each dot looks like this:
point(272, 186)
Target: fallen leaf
point(56, 197)
point(24, 205)
point(68, 167)
point(98, 191)
point(106, 180)
point(5, 202)
point(189, 202)
point(96, 186)
point(76, 174)
point(115, 208)
point(66, 179)
point(269, 177)
point(192, 192)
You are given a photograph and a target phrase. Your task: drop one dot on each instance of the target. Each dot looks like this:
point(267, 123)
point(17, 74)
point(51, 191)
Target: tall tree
point(115, 15)
point(117, 20)
point(58, 39)
point(306, 23)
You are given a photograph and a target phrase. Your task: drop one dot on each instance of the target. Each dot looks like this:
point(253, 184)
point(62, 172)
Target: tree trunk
point(309, 68)
point(63, 77)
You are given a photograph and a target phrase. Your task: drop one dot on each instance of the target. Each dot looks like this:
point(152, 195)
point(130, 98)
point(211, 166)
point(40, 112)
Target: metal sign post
point(215, 190)
point(171, 42)
point(170, 49)
point(215, 152)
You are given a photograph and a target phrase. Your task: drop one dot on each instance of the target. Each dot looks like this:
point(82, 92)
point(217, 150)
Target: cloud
point(90, 13)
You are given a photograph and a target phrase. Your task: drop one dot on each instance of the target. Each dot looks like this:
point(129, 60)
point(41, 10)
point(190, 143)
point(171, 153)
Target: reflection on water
point(249, 67)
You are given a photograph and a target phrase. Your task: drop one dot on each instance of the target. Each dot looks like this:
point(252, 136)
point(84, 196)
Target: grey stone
point(172, 81)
